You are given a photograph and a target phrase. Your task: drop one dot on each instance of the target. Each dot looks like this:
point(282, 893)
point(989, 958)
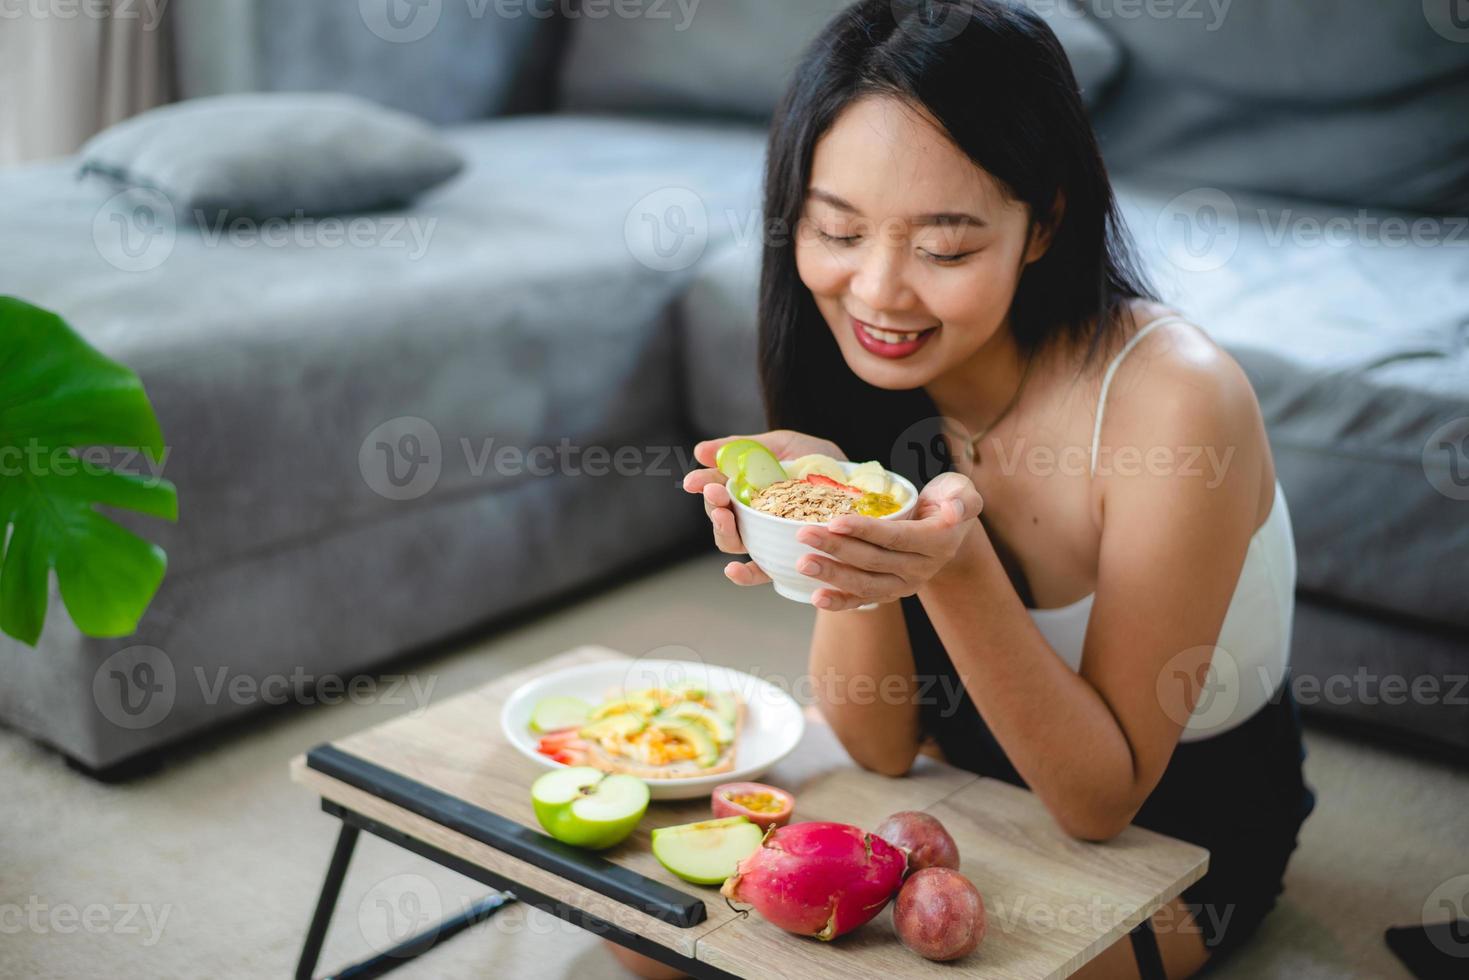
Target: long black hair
point(995, 77)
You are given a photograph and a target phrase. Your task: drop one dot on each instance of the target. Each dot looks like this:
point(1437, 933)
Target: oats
point(802, 501)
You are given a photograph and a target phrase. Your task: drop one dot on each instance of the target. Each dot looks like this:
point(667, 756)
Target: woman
point(1107, 523)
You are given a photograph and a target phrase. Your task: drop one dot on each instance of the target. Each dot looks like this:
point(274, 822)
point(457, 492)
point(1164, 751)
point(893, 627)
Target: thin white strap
point(1112, 369)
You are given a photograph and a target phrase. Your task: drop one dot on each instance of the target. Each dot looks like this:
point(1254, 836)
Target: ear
point(1043, 229)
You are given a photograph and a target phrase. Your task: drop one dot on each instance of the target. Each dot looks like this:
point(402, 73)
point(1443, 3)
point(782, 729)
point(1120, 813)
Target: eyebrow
point(936, 218)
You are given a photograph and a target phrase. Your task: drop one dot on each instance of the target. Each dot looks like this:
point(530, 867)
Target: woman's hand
point(785, 444)
point(869, 560)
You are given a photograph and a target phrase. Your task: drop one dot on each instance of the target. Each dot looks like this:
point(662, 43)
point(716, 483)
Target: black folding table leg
point(1145, 949)
point(327, 903)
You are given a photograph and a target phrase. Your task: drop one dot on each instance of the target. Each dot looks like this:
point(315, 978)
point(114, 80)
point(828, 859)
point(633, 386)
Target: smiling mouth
point(890, 343)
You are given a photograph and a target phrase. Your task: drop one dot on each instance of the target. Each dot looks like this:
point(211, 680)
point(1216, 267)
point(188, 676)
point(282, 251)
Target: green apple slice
point(586, 807)
point(740, 490)
point(707, 852)
point(760, 468)
point(728, 457)
point(557, 712)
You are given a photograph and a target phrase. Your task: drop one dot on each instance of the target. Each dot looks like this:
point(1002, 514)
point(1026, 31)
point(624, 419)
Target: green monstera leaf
point(64, 410)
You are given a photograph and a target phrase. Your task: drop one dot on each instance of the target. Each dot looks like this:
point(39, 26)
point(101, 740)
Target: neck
point(974, 392)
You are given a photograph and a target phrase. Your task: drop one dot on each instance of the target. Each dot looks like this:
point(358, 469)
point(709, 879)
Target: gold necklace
point(971, 450)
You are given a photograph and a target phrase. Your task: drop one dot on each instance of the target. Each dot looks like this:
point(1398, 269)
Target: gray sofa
point(589, 284)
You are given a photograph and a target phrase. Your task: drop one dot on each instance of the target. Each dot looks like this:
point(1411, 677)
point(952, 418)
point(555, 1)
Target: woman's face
point(911, 251)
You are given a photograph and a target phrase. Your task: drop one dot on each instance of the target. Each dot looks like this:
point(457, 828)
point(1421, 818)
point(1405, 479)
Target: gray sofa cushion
point(1359, 352)
point(513, 306)
point(737, 56)
point(273, 155)
point(1358, 101)
point(448, 61)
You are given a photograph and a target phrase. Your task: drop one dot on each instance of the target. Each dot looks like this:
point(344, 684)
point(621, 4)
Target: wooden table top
point(1052, 902)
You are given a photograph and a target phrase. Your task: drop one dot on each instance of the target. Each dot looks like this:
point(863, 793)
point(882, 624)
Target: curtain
point(69, 68)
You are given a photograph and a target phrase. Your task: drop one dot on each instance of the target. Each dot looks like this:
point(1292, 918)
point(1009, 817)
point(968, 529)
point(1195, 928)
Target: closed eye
point(843, 239)
point(948, 259)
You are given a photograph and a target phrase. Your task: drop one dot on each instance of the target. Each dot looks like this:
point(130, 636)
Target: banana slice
point(818, 463)
point(869, 476)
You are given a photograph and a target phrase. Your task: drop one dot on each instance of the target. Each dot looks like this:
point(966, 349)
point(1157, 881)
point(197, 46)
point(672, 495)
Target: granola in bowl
point(817, 502)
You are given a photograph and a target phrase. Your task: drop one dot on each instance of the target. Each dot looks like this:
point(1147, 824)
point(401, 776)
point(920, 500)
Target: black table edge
point(580, 867)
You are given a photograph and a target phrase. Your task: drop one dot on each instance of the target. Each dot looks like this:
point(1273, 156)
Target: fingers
point(835, 600)
point(853, 581)
point(856, 552)
point(955, 495)
point(745, 573)
point(721, 517)
point(695, 481)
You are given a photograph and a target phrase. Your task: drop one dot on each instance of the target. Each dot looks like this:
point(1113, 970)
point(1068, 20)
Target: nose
point(879, 283)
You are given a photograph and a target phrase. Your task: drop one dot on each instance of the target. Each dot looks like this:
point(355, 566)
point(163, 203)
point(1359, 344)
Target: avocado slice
point(714, 723)
point(727, 706)
point(626, 723)
point(696, 735)
point(633, 703)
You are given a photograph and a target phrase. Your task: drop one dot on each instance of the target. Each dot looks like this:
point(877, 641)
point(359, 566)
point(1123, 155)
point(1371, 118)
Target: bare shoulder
point(1177, 381)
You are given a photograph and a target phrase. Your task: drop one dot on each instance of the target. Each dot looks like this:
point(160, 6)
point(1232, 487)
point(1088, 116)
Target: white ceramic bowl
point(771, 541)
point(772, 726)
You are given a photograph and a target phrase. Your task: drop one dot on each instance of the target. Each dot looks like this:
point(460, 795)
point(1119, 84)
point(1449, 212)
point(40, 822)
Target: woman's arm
point(1094, 744)
point(862, 671)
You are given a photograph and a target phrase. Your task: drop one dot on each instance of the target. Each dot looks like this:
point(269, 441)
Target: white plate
point(772, 727)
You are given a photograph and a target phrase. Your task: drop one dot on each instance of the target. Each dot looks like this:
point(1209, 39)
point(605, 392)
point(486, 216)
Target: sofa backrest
point(1361, 101)
point(445, 60)
point(735, 57)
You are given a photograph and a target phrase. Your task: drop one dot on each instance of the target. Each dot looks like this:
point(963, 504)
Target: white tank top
point(1253, 650)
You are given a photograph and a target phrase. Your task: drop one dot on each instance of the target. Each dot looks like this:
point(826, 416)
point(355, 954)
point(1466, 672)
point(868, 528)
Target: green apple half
point(587, 807)
point(706, 852)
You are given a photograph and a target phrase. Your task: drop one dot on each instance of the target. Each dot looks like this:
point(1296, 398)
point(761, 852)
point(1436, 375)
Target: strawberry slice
point(826, 481)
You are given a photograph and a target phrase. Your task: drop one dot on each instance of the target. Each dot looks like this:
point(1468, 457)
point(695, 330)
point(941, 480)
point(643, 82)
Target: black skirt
point(1240, 794)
